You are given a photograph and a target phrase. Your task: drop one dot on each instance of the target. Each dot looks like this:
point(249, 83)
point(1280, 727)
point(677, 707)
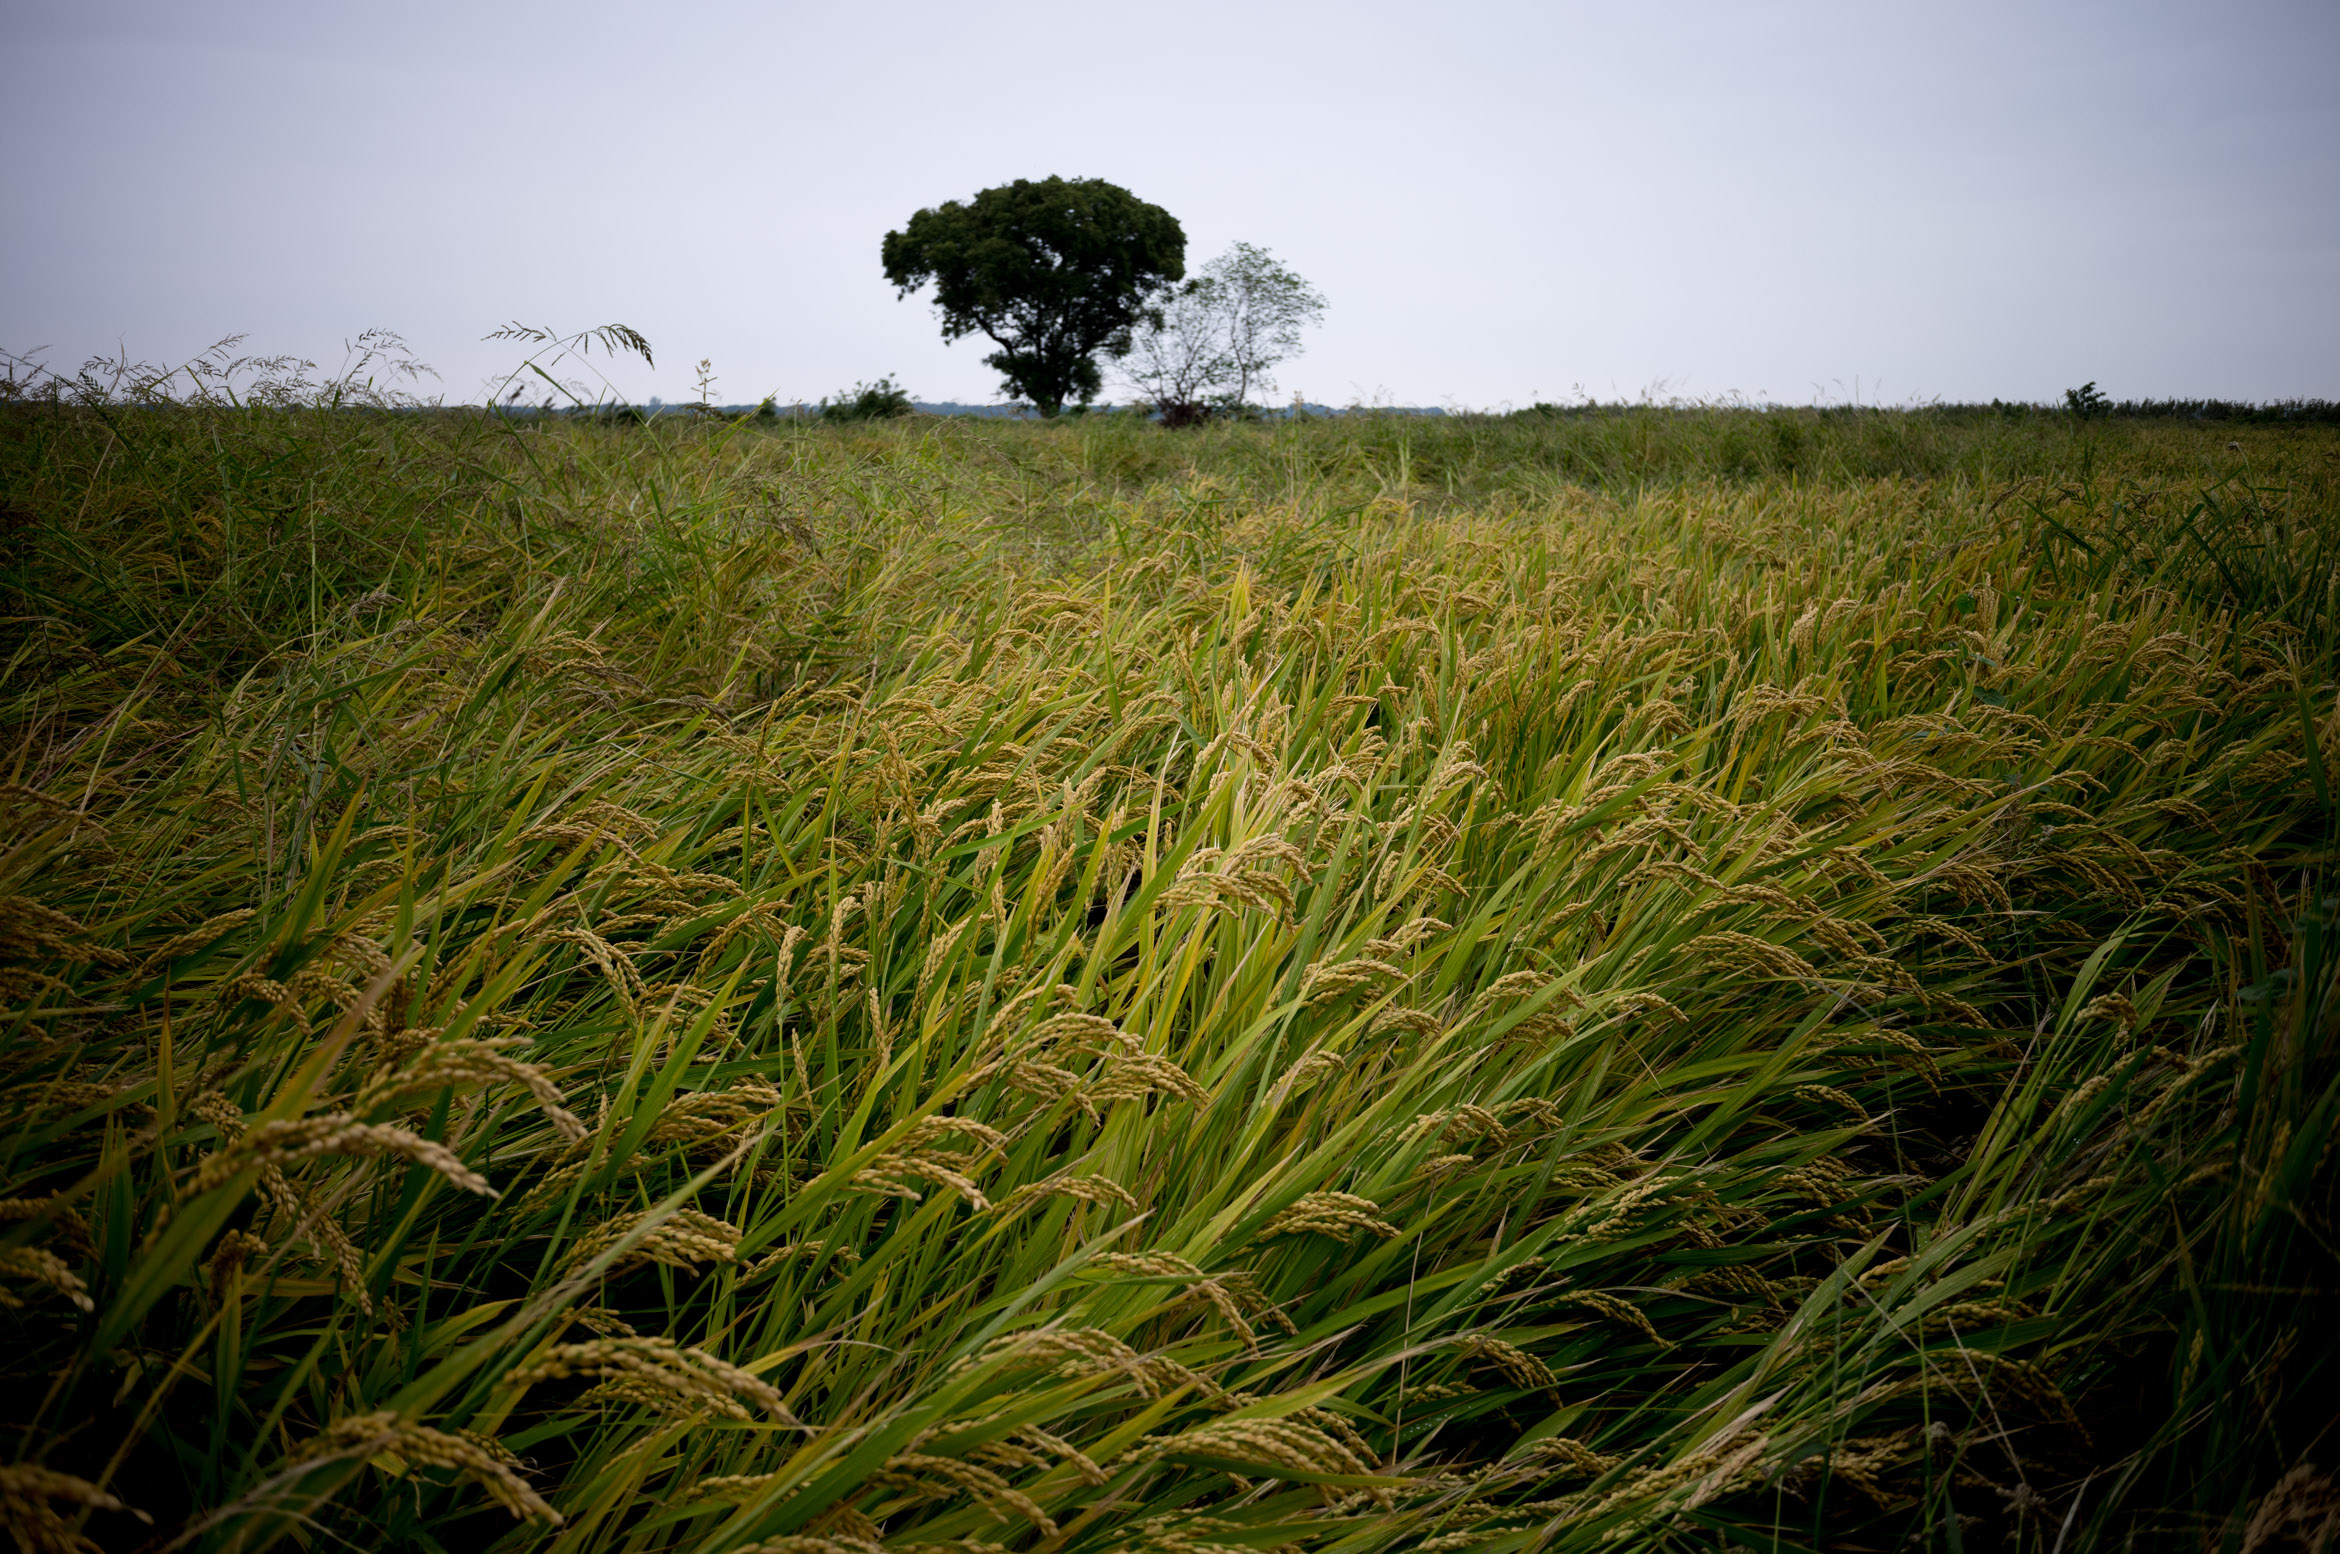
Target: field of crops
point(1643, 980)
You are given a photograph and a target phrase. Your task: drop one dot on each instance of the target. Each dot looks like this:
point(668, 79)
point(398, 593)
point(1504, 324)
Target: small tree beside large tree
point(1054, 272)
point(1211, 342)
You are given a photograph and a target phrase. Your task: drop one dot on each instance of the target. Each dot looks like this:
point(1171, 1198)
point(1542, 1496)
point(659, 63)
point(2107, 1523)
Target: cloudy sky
point(1503, 201)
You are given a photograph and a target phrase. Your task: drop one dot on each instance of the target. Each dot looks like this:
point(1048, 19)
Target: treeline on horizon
point(2271, 412)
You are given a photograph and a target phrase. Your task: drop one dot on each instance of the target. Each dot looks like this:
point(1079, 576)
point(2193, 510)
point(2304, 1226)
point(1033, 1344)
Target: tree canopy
point(1053, 271)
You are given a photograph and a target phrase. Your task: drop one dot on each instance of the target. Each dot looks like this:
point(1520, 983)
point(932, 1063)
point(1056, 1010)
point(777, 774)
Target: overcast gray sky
point(1502, 201)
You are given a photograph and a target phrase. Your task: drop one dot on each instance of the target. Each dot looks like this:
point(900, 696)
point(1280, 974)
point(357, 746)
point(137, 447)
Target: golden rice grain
point(487, 1464)
point(29, 1497)
point(657, 1373)
point(1337, 1214)
point(289, 1141)
point(682, 1238)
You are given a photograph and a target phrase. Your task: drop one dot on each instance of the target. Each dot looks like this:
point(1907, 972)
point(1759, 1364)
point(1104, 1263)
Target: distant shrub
point(2086, 401)
point(868, 402)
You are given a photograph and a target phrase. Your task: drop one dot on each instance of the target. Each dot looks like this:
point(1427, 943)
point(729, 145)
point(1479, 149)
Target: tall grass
point(1345, 986)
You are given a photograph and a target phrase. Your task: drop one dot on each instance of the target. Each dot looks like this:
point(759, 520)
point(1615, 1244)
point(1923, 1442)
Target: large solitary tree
point(1054, 272)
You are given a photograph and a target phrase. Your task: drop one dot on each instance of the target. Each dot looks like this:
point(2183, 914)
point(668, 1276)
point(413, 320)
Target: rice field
point(1639, 981)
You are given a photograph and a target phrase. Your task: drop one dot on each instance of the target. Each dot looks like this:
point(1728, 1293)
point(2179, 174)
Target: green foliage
point(1053, 272)
point(1346, 985)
